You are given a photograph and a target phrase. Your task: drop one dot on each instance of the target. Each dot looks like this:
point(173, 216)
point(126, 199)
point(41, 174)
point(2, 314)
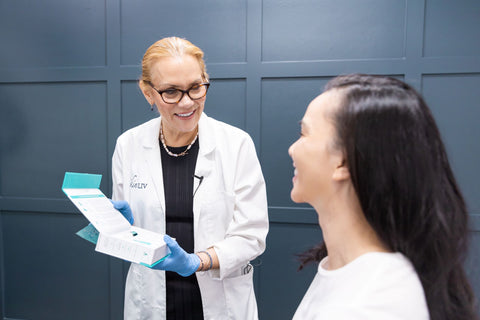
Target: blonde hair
point(169, 47)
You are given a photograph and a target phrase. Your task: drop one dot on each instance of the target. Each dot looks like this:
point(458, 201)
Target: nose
point(185, 101)
point(290, 150)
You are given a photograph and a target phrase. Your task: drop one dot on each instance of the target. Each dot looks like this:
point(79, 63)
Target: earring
point(151, 107)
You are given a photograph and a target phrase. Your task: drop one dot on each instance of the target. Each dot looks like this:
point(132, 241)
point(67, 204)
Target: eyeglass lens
point(175, 95)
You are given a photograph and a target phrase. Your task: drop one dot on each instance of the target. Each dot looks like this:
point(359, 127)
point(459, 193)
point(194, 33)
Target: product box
point(116, 237)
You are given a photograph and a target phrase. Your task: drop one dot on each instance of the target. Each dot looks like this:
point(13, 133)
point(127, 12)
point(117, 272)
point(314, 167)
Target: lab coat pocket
point(240, 296)
point(218, 211)
point(135, 282)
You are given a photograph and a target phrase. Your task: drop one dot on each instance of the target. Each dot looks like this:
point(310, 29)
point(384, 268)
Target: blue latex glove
point(178, 261)
point(124, 209)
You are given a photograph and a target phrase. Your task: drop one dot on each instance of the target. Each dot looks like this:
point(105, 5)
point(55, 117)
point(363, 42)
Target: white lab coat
point(229, 210)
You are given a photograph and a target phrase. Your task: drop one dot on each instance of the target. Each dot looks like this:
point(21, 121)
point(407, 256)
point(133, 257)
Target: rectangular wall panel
point(281, 285)
point(226, 101)
point(51, 33)
point(284, 102)
point(217, 27)
point(331, 30)
point(135, 109)
point(454, 101)
point(47, 129)
point(451, 28)
point(49, 272)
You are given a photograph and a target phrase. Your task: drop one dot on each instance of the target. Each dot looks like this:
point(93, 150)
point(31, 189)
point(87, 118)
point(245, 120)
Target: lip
point(187, 117)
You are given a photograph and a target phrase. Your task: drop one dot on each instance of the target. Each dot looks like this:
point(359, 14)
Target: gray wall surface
point(68, 72)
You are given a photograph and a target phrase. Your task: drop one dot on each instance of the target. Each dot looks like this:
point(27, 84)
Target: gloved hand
point(124, 209)
point(178, 261)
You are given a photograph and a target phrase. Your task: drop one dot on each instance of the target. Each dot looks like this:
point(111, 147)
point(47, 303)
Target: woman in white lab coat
point(371, 162)
point(199, 181)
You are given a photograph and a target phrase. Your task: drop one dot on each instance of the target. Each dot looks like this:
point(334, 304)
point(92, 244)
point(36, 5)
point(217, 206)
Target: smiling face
point(315, 158)
point(178, 119)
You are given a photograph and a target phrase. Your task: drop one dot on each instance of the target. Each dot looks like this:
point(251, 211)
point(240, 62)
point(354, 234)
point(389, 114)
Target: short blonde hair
point(169, 47)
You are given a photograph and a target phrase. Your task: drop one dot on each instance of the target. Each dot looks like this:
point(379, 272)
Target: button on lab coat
point(229, 211)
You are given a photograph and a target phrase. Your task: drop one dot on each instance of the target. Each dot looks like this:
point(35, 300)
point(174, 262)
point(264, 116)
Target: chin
point(189, 126)
point(295, 197)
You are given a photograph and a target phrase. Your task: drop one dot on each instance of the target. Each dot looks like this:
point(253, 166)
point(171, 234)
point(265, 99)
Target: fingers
point(171, 243)
point(121, 204)
point(124, 209)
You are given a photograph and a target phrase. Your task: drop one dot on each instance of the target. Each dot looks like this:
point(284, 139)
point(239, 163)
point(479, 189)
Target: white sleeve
point(117, 174)
point(246, 233)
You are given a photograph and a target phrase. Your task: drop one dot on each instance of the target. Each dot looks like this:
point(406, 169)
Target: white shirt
point(374, 286)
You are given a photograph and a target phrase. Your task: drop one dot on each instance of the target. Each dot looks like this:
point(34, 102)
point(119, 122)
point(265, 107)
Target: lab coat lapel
point(205, 164)
point(154, 161)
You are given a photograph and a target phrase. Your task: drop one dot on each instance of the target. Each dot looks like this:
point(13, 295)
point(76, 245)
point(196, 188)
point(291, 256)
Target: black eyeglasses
point(172, 96)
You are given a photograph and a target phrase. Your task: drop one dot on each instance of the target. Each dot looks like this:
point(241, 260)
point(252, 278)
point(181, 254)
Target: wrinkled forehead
point(178, 70)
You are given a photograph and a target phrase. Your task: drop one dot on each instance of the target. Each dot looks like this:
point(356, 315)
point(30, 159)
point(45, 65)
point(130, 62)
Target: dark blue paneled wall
point(68, 72)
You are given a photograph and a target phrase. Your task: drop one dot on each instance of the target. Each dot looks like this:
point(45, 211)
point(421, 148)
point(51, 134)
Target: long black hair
point(408, 193)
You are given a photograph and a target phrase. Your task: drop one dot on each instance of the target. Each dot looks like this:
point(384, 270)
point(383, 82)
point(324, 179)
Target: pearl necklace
point(162, 139)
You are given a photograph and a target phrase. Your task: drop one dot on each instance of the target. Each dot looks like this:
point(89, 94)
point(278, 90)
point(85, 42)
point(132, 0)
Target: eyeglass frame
point(207, 84)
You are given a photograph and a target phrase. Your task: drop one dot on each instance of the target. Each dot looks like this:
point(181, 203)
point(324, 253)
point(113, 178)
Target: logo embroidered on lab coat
point(134, 184)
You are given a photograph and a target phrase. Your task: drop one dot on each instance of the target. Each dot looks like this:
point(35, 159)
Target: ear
point(149, 98)
point(147, 93)
point(341, 172)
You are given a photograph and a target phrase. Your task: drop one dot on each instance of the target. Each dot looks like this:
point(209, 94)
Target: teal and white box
point(116, 236)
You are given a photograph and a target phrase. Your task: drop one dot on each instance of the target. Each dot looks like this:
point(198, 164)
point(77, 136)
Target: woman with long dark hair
point(371, 162)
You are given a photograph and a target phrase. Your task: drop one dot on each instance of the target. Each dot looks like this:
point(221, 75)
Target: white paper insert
point(117, 237)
